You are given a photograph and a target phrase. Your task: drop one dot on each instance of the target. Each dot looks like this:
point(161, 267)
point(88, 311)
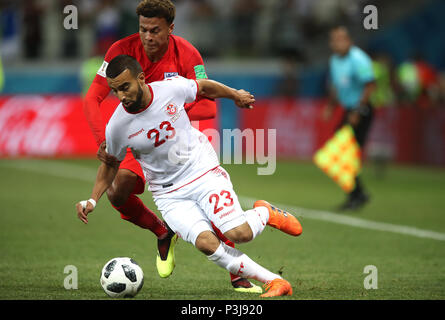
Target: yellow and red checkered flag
point(340, 158)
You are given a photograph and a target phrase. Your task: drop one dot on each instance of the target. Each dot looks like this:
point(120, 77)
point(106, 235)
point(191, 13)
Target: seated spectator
point(383, 95)
point(408, 83)
point(429, 86)
point(107, 25)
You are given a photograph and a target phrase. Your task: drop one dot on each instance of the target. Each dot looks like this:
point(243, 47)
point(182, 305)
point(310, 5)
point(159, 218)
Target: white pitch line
point(53, 168)
point(77, 172)
point(352, 221)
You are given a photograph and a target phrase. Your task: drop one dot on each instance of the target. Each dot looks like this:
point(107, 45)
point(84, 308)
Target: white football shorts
point(192, 208)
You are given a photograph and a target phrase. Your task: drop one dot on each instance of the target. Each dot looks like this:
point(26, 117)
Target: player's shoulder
point(169, 82)
point(128, 43)
point(183, 47)
point(358, 53)
point(131, 39)
point(182, 43)
point(334, 61)
point(174, 86)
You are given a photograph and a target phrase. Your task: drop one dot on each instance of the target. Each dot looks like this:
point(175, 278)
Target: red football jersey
point(181, 59)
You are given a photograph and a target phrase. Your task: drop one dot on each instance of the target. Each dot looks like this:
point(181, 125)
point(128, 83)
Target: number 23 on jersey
point(156, 134)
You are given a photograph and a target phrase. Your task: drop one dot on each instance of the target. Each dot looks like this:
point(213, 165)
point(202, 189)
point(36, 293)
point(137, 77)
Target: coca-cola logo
point(33, 125)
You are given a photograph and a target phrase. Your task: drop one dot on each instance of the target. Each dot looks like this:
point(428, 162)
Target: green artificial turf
point(40, 235)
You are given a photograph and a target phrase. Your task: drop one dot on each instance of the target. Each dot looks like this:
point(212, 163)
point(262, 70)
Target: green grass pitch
point(40, 235)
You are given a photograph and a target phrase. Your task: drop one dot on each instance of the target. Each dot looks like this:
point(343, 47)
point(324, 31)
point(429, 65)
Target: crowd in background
point(414, 82)
point(243, 27)
point(218, 29)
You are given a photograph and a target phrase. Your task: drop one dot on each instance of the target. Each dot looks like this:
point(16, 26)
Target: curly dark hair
point(157, 9)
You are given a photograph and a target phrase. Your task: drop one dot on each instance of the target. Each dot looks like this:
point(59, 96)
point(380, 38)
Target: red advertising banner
point(298, 123)
point(47, 126)
point(55, 126)
point(409, 135)
point(52, 126)
point(406, 135)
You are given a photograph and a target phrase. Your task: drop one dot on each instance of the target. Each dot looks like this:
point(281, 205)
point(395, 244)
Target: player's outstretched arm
point(104, 179)
point(201, 109)
point(91, 108)
point(213, 89)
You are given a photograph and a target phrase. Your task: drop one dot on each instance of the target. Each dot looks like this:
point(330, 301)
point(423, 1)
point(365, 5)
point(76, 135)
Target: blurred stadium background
point(275, 49)
point(279, 51)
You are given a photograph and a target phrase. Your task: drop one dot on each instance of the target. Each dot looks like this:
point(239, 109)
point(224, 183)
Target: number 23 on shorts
point(226, 200)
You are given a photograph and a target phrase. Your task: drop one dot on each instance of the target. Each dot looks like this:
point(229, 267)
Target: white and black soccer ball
point(122, 278)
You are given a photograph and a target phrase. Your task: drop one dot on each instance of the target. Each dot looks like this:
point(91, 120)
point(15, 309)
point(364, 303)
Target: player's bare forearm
point(104, 179)
point(213, 89)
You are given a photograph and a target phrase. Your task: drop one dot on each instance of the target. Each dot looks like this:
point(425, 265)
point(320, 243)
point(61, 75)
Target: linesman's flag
point(340, 158)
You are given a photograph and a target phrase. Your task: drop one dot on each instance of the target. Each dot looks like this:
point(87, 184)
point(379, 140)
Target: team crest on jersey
point(171, 109)
point(170, 75)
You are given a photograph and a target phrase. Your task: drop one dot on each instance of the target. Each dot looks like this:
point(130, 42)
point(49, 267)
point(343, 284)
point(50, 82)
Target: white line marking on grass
point(74, 171)
point(351, 221)
point(53, 168)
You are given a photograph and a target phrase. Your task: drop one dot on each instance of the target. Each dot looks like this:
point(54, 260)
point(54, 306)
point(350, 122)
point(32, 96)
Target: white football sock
point(240, 264)
point(257, 219)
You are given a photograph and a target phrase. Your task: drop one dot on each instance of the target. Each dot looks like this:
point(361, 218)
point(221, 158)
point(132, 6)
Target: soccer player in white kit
point(188, 185)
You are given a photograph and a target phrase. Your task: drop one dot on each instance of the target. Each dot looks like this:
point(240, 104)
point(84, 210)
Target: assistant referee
point(351, 84)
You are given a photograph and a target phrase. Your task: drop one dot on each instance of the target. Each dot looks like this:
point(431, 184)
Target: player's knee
point(117, 199)
point(121, 188)
point(240, 234)
point(207, 243)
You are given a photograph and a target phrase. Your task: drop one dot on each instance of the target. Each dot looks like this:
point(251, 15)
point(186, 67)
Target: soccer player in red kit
point(162, 55)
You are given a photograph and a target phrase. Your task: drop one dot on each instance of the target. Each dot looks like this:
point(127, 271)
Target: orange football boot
point(277, 287)
point(281, 219)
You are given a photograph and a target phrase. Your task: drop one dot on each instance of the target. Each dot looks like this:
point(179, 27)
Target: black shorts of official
point(366, 115)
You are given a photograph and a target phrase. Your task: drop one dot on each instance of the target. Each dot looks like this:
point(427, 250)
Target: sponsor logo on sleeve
point(103, 69)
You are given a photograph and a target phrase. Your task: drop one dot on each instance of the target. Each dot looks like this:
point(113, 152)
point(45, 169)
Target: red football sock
point(136, 212)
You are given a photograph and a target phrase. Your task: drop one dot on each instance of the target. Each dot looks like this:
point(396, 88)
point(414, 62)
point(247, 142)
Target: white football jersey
point(171, 152)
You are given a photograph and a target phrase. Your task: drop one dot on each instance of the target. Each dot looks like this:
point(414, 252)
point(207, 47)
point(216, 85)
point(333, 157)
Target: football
point(122, 278)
